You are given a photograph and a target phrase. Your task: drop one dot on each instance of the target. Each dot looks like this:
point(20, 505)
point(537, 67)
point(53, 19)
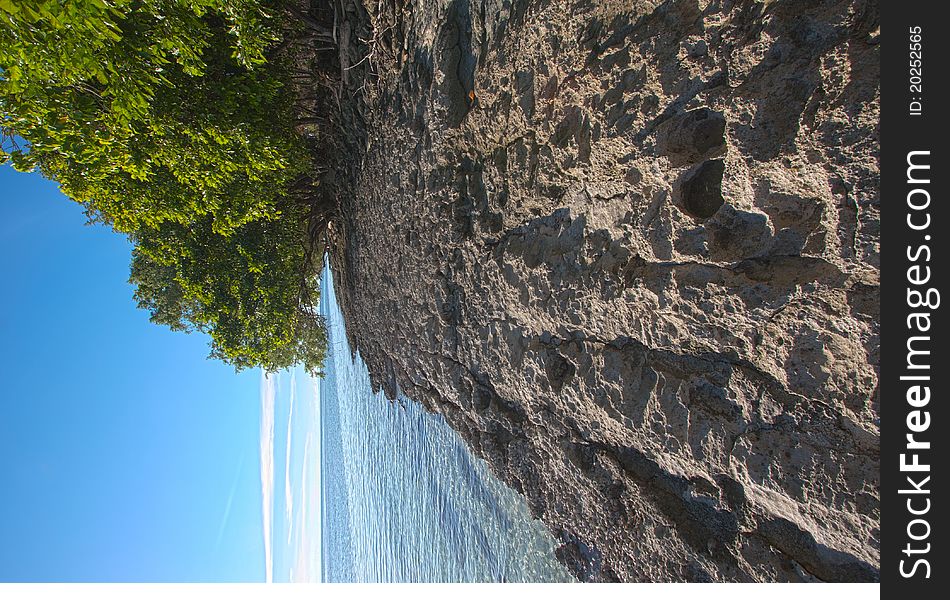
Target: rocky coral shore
point(629, 250)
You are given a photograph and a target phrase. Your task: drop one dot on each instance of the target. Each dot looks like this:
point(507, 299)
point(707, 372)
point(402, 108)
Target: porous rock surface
point(630, 251)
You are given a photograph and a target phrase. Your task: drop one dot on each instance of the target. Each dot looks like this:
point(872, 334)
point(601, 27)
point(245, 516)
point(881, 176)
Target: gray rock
point(638, 273)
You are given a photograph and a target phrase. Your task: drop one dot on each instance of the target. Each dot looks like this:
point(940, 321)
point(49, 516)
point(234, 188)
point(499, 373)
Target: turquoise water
point(402, 498)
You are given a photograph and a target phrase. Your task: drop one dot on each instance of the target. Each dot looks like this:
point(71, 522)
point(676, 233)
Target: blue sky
point(126, 454)
point(290, 473)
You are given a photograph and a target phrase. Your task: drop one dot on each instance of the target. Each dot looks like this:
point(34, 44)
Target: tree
point(151, 110)
point(245, 289)
point(172, 122)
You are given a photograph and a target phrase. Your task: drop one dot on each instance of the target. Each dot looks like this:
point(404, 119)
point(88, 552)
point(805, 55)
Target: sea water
point(403, 498)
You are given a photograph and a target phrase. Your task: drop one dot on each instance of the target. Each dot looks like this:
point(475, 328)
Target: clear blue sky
point(120, 443)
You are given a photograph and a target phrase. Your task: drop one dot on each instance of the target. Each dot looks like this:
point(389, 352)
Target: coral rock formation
point(630, 251)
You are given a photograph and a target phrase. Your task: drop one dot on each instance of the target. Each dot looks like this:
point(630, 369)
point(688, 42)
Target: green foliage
point(150, 111)
point(169, 120)
point(244, 289)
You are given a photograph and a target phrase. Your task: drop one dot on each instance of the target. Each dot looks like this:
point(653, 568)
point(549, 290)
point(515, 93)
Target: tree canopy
point(172, 122)
point(244, 289)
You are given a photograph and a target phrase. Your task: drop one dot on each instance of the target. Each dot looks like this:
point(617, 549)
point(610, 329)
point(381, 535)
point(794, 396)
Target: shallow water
point(403, 499)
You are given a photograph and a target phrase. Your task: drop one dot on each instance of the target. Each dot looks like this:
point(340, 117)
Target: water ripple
point(403, 498)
